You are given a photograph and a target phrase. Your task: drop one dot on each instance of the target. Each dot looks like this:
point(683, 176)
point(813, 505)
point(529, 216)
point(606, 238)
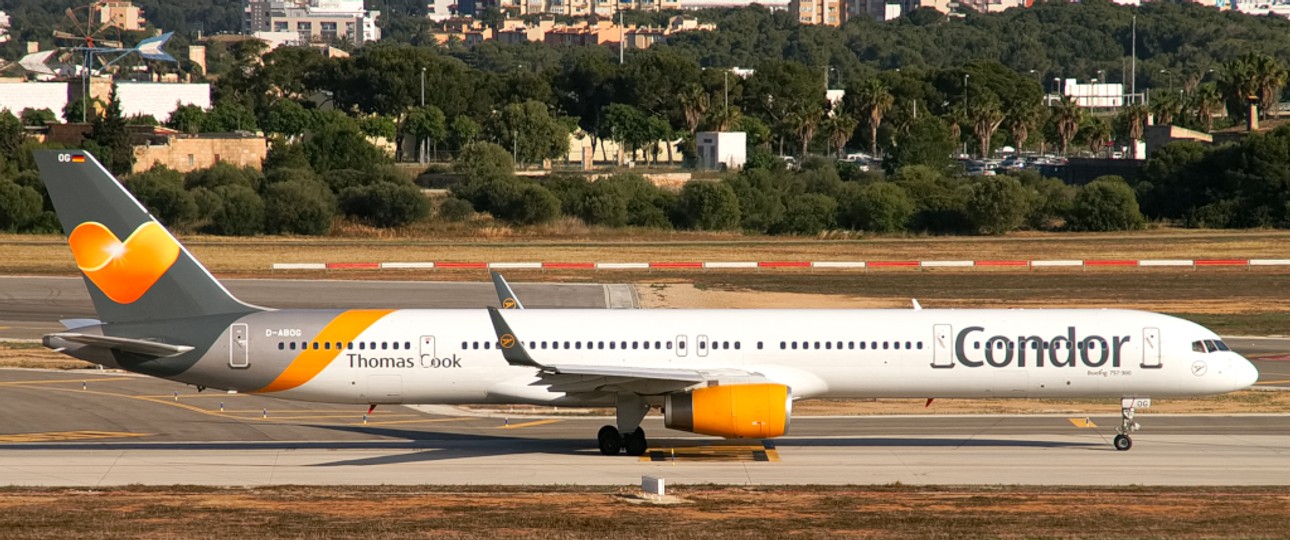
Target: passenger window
point(566, 345)
point(657, 345)
point(920, 345)
point(611, 345)
point(895, 345)
point(488, 345)
point(315, 345)
point(293, 345)
point(794, 345)
point(736, 345)
point(873, 345)
point(634, 344)
point(669, 345)
point(783, 345)
point(828, 345)
point(907, 347)
point(884, 345)
point(282, 346)
point(407, 345)
point(862, 345)
point(645, 345)
point(703, 344)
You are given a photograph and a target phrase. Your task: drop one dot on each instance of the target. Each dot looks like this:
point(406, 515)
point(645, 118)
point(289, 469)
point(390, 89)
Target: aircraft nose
point(1242, 373)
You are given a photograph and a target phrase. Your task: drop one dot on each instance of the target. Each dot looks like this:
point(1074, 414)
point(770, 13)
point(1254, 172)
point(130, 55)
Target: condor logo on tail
point(124, 271)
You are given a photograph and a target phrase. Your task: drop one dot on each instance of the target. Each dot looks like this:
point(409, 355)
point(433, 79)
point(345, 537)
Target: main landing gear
point(628, 435)
point(1122, 440)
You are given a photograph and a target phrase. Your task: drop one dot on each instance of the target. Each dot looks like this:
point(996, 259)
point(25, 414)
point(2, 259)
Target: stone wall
point(185, 154)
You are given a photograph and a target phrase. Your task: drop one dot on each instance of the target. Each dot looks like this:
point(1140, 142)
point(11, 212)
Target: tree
point(237, 210)
point(1021, 118)
point(872, 102)
point(927, 142)
point(708, 206)
point(1096, 133)
point(629, 126)
point(462, 132)
point(808, 214)
point(839, 127)
point(1130, 122)
point(1067, 116)
point(998, 204)
point(1106, 204)
point(11, 133)
point(985, 117)
point(783, 93)
point(1166, 106)
point(484, 161)
point(530, 131)
point(288, 118)
point(342, 146)
point(161, 190)
point(110, 141)
point(38, 117)
point(1207, 102)
point(425, 125)
point(230, 116)
point(187, 118)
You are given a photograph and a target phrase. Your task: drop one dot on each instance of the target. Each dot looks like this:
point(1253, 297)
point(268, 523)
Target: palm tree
point(1096, 132)
point(1166, 106)
point(1270, 77)
point(805, 120)
point(1133, 120)
point(839, 127)
point(874, 100)
point(1021, 118)
point(694, 103)
point(985, 117)
point(1206, 102)
point(1067, 116)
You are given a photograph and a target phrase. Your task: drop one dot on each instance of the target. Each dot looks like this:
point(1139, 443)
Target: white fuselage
point(451, 356)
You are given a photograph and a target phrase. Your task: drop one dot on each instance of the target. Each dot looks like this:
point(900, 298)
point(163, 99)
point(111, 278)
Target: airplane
point(729, 373)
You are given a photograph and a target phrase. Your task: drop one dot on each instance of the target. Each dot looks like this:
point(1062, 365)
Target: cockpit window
point(1209, 346)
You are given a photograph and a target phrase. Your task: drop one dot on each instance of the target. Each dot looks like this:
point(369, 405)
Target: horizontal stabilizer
point(139, 346)
point(72, 324)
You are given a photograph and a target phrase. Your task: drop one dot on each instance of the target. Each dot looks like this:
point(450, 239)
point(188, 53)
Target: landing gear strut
point(628, 434)
point(1122, 440)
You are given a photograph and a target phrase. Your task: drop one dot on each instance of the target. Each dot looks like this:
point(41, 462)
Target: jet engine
point(736, 411)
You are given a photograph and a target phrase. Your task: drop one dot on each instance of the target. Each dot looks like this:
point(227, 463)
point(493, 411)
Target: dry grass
point(704, 512)
point(575, 243)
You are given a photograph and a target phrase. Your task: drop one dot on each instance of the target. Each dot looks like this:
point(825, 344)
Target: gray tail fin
point(133, 267)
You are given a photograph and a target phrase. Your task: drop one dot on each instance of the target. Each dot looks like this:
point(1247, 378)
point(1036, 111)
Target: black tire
point(1123, 442)
point(609, 440)
point(635, 443)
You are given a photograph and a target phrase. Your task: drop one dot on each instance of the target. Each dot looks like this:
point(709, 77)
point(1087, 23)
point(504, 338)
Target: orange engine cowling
point(736, 411)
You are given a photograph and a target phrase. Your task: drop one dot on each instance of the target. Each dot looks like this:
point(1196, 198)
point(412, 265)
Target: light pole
point(515, 147)
point(422, 149)
point(965, 91)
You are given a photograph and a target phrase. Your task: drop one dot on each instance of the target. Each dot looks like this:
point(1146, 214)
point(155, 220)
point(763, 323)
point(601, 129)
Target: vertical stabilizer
point(134, 268)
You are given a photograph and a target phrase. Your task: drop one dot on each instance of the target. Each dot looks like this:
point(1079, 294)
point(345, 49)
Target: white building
point(722, 149)
point(4, 27)
point(439, 10)
point(137, 98)
point(1095, 94)
point(313, 20)
point(17, 96)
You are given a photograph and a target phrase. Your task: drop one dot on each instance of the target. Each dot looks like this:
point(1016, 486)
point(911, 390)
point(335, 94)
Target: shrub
point(454, 209)
point(240, 211)
point(1106, 204)
point(708, 206)
point(224, 174)
point(484, 161)
point(809, 213)
point(20, 206)
point(527, 204)
point(298, 207)
point(385, 204)
point(877, 207)
point(997, 204)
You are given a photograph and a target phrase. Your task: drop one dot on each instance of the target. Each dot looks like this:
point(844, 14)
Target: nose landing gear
point(1122, 441)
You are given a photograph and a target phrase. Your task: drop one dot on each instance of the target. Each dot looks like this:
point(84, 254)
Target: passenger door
point(1151, 348)
point(942, 348)
point(239, 355)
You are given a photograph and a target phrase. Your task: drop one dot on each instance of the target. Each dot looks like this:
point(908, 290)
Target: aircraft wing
point(575, 378)
point(140, 346)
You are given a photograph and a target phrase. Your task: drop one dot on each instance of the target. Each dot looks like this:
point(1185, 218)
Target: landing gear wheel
point(1123, 442)
point(635, 443)
point(610, 441)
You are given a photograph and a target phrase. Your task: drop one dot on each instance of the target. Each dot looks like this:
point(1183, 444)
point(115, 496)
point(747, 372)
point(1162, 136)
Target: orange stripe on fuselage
point(308, 364)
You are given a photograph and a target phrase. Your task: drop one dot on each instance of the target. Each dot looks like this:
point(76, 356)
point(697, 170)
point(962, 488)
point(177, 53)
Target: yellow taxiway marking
point(1274, 382)
point(763, 452)
point(528, 424)
point(53, 436)
point(1082, 422)
point(62, 381)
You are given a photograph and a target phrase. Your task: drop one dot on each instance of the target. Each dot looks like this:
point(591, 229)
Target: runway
point(32, 306)
point(100, 429)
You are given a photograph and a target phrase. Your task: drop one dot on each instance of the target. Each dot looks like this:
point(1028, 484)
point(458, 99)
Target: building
point(1094, 95)
point(120, 14)
point(137, 98)
point(719, 150)
point(312, 20)
point(4, 27)
point(570, 8)
point(992, 6)
point(825, 12)
point(441, 10)
point(185, 153)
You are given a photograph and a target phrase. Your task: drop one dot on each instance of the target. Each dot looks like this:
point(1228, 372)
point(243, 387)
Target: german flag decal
point(78, 158)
